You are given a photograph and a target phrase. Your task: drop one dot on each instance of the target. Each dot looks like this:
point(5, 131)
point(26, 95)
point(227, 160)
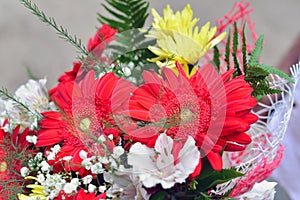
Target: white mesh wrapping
point(263, 155)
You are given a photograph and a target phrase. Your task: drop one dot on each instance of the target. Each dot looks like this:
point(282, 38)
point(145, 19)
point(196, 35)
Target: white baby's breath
point(69, 188)
point(24, 171)
point(91, 188)
point(31, 139)
point(83, 154)
point(97, 168)
point(110, 137)
point(118, 151)
point(45, 166)
point(101, 138)
point(87, 179)
point(102, 188)
point(67, 158)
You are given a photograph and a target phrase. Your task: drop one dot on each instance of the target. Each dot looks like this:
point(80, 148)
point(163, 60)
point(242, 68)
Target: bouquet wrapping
point(173, 111)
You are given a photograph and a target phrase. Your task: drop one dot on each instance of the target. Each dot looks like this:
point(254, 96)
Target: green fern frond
point(273, 70)
point(227, 52)
point(128, 14)
point(257, 51)
point(128, 17)
point(244, 50)
point(235, 43)
point(61, 31)
point(257, 74)
point(216, 58)
point(257, 78)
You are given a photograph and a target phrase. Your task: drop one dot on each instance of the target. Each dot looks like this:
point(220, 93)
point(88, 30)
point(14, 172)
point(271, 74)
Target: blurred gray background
point(25, 41)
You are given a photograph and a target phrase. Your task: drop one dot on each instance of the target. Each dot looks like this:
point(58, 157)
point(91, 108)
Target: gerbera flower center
point(3, 166)
point(85, 124)
point(187, 116)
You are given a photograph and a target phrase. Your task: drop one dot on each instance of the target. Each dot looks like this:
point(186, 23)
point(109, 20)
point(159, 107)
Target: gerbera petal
point(106, 85)
point(241, 138)
point(215, 160)
point(48, 137)
point(234, 147)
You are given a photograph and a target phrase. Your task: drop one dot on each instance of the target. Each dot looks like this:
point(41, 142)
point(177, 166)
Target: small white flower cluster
point(29, 101)
point(38, 163)
point(53, 184)
point(31, 139)
point(92, 163)
point(51, 154)
point(95, 164)
point(65, 181)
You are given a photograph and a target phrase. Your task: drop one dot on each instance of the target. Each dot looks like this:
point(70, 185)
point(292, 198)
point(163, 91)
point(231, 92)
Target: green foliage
point(131, 46)
point(216, 58)
point(235, 44)
point(257, 74)
point(129, 14)
point(256, 52)
point(244, 50)
point(210, 178)
point(227, 52)
point(158, 196)
point(273, 70)
point(61, 31)
point(257, 78)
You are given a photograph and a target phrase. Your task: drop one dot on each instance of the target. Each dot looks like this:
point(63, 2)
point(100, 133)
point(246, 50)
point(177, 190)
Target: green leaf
point(118, 5)
point(216, 58)
point(244, 50)
point(217, 177)
point(227, 52)
point(113, 23)
point(257, 74)
point(158, 196)
point(273, 70)
point(128, 17)
point(235, 44)
point(115, 14)
point(257, 51)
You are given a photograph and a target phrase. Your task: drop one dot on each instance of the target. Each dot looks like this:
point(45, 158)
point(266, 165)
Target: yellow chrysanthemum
point(37, 192)
point(179, 39)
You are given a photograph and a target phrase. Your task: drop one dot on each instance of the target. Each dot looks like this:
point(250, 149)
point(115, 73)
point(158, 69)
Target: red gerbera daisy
point(85, 114)
point(215, 110)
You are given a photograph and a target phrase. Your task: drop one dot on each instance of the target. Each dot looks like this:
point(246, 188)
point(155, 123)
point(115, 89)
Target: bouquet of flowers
point(173, 111)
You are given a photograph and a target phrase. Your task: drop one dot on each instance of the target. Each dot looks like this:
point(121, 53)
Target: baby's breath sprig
point(61, 31)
